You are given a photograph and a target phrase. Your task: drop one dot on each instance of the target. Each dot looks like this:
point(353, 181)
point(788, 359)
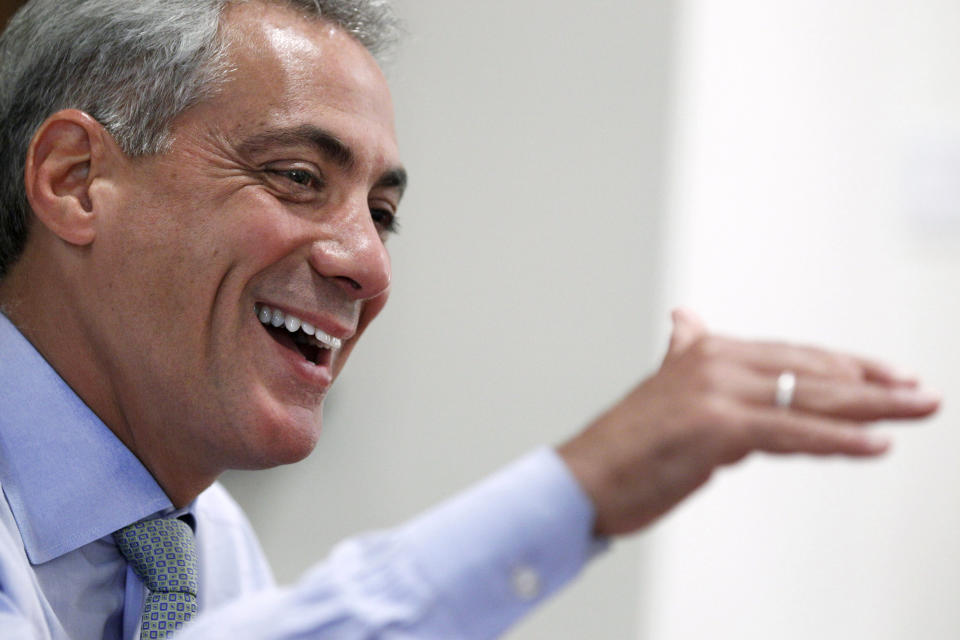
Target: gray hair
point(133, 65)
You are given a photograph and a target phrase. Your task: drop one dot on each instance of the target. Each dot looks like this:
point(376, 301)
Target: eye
point(295, 182)
point(385, 219)
point(300, 177)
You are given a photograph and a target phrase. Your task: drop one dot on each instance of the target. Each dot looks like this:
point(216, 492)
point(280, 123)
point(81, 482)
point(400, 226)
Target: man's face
point(275, 198)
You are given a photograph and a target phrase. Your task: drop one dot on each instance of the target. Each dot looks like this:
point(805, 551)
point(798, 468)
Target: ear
point(65, 156)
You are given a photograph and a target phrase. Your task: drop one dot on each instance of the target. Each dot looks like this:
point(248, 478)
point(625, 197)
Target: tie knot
point(162, 553)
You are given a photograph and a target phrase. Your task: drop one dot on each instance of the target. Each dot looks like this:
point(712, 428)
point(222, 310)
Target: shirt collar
point(68, 479)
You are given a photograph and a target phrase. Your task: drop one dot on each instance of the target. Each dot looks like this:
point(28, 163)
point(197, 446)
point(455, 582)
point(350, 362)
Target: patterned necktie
point(162, 553)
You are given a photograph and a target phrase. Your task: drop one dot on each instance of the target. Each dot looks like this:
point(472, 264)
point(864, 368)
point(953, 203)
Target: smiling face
point(270, 208)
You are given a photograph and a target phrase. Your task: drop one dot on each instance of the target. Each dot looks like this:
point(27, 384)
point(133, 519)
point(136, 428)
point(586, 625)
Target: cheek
point(254, 224)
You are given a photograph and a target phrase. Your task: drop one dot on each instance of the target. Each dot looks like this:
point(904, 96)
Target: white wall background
point(535, 136)
point(814, 194)
point(809, 161)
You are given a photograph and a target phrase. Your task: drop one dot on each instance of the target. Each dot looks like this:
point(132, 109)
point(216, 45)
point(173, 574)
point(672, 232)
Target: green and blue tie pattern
point(162, 553)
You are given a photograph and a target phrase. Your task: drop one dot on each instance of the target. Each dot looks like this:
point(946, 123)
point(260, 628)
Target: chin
point(279, 442)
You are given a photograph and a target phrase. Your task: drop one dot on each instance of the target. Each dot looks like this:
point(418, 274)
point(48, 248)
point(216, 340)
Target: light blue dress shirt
point(467, 569)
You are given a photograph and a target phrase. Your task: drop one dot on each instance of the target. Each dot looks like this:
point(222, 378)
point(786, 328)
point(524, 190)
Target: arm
point(473, 566)
point(465, 570)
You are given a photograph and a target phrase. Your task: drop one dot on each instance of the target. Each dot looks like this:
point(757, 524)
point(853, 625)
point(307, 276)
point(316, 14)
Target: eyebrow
point(329, 145)
point(326, 143)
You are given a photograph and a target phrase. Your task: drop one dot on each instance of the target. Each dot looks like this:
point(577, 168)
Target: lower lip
point(319, 376)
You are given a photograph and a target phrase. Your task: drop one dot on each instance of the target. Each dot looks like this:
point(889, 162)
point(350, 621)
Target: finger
point(687, 329)
point(783, 433)
point(863, 401)
point(888, 375)
point(775, 357)
point(857, 401)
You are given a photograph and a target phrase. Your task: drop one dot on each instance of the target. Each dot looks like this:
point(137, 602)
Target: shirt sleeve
point(15, 626)
point(467, 569)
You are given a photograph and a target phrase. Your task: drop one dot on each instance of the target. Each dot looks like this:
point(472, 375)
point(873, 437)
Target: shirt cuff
point(495, 551)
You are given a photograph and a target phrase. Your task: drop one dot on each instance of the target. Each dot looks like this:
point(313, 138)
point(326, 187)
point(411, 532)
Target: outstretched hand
point(712, 402)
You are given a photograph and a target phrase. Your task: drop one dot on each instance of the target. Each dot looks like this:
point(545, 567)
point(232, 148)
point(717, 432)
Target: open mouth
point(315, 345)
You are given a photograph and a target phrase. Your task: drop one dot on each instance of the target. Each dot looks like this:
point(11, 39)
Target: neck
point(48, 317)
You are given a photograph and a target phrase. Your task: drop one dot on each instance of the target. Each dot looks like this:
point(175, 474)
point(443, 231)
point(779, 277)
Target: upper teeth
point(293, 324)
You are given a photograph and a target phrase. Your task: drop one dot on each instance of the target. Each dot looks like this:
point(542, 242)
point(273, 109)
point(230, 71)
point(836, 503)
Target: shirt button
point(526, 583)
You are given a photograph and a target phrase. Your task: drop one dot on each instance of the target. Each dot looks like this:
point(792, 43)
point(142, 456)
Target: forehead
point(287, 70)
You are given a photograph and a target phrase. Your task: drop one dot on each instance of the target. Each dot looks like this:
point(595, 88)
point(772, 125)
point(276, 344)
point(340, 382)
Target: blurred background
point(789, 169)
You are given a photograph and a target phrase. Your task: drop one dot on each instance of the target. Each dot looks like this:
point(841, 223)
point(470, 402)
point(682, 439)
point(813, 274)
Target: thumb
point(687, 329)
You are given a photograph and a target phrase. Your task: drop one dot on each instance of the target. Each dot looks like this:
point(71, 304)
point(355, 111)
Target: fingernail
point(901, 375)
point(877, 442)
point(919, 396)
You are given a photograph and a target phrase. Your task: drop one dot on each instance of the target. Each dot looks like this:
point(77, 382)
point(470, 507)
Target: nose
point(353, 255)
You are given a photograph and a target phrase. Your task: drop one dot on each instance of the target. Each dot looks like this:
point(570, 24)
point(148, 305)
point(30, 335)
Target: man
point(194, 202)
